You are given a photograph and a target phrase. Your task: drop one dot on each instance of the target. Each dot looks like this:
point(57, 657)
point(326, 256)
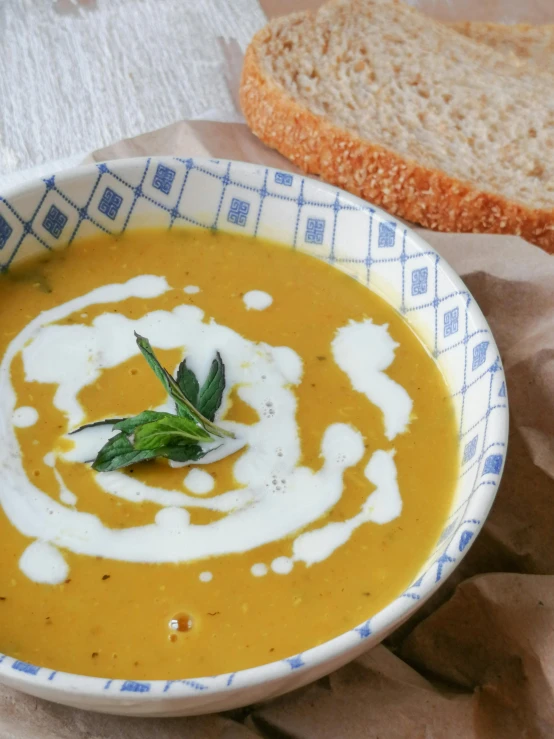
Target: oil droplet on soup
point(181, 622)
point(318, 515)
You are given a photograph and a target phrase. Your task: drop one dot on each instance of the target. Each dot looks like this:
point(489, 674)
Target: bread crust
point(398, 184)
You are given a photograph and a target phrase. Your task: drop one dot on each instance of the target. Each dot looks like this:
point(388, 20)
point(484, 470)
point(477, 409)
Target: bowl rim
point(343, 645)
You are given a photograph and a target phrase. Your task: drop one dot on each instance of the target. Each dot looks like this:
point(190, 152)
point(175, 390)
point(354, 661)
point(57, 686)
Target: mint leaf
point(119, 452)
point(185, 453)
point(148, 353)
point(170, 431)
point(128, 425)
point(186, 379)
point(211, 392)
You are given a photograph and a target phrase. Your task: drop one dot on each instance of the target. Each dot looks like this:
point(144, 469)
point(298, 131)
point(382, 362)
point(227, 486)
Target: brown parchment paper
point(477, 661)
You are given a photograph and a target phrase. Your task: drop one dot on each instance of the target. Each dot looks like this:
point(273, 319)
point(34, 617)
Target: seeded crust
point(399, 183)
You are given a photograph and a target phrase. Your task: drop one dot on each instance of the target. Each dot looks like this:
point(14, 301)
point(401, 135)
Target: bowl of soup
point(249, 424)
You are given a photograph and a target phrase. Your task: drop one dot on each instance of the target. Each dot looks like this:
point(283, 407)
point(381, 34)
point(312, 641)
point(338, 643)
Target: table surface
point(77, 75)
point(80, 74)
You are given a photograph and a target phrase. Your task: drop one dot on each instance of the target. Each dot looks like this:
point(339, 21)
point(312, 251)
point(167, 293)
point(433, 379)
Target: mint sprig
point(154, 434)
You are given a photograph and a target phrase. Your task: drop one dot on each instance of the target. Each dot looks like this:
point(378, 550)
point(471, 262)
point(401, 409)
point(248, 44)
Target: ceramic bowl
point(349, 234)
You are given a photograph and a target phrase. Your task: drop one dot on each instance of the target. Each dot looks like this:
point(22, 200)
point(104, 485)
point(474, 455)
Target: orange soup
point(265, 476)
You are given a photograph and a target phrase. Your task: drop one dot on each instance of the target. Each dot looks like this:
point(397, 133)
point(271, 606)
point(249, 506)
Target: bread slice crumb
point(534, 44)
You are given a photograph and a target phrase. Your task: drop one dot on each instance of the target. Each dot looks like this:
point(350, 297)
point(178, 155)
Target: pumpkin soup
point(215, 453)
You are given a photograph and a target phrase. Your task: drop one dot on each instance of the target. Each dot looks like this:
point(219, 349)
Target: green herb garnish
point(152, 434)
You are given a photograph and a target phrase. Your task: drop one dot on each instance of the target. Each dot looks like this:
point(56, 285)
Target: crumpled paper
point(477, 660)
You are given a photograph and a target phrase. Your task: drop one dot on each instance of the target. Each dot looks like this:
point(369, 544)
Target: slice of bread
point(408, 113)
point(535, 44)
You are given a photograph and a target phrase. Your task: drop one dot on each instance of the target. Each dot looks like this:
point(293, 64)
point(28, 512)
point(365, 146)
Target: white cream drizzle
point(50, 459)
point(257, 300)
point(364, 351)
point(382, 506)
point(259, 569)
point(282, 565)
point(25, 416)
point(43, 563)
point(275, 496)
point(66, 496)
point(199, 482)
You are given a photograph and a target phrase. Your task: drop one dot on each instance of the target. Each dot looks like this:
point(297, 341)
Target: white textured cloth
point(79, 74)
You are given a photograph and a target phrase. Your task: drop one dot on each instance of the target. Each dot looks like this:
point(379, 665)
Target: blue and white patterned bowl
point(354, 237)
